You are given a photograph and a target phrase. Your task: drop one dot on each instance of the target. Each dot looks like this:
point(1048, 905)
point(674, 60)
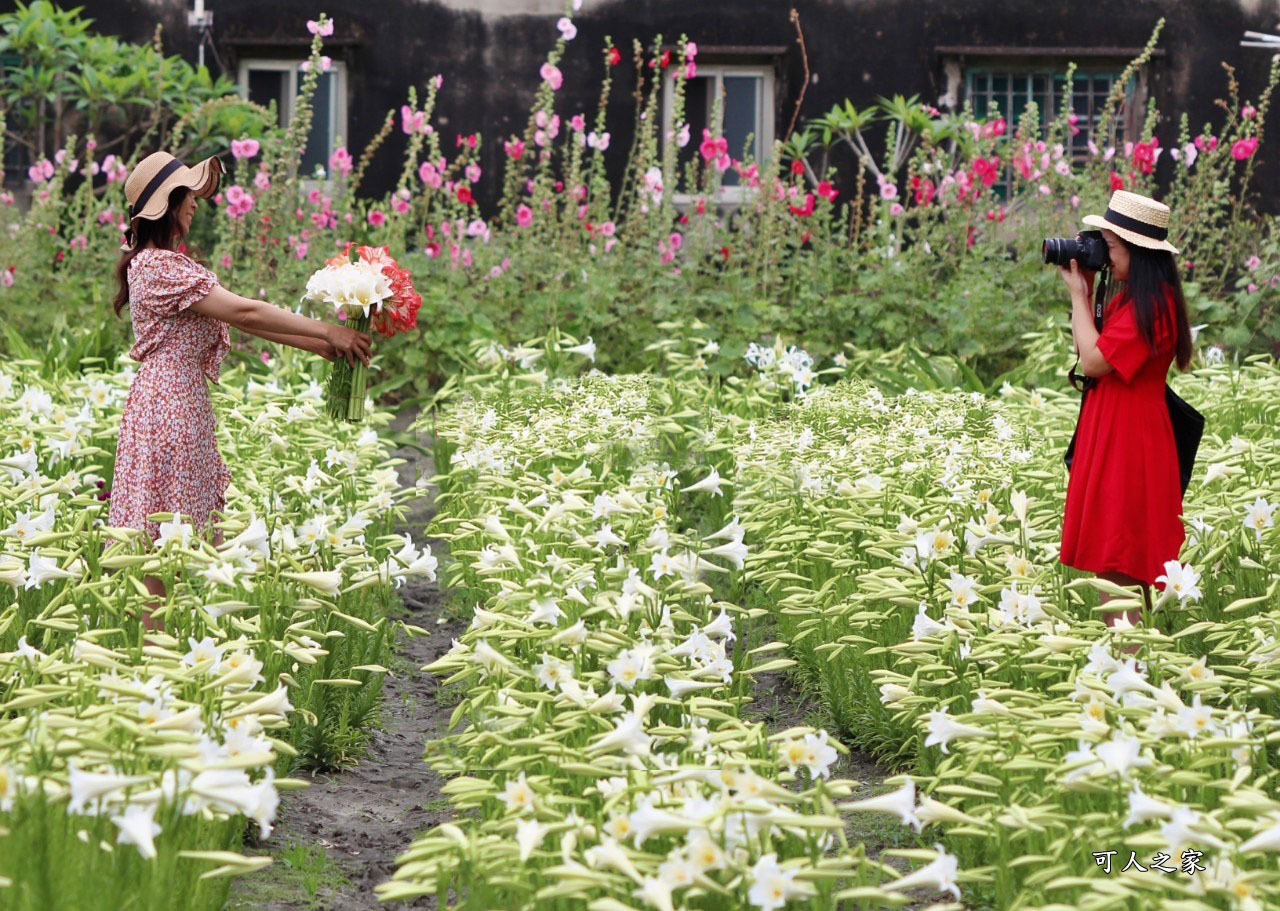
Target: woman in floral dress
point(167, 457)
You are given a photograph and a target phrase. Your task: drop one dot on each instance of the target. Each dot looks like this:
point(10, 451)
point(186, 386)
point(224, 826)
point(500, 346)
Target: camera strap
point(1077, 380)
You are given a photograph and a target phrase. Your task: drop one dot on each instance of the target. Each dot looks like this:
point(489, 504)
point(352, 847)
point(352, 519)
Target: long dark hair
point(162, 232)
point(1152, 275)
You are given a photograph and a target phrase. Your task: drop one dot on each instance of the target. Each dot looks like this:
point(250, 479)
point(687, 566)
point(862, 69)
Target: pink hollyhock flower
point(323, 29)
point(1244, 148)
point(524, 216)
point(608, 229)
point(432, 250)
point(1248, 112)
point(262, 180)
point(6, 277)
point(400, 205)
point(1072, 120)
point(540, 138)
point(428, 174)
point(1075, 202)
point(79, 242)
point(1252, 287)
point(568, 31)
point(225, 262)
point(578, 123)
point(541, 119)
point(301, 250)
point(1190, 153)
point(690, 70)
point(340, 161)
point(551, 76)
point(477, 228)
point(244, 148)
point(236, 194)
point(599, 143)
point(682, 135)
point(514, 149)
point(1252, 262)
point(888, 190)
point(377, 218)
point(896, 209)
point(473, 172)
point(676, 240)
point(40, 171)
point(412, 121)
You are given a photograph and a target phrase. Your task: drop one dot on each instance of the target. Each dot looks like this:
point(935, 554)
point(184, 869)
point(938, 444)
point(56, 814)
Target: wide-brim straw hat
point(1138, 219)
point(152, 180)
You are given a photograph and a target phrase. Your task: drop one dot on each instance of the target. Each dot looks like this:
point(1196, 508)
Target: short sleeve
point(1122, 344)
point(175, 283)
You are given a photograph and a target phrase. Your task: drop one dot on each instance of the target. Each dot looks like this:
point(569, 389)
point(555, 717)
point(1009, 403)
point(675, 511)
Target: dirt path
point(337, 839)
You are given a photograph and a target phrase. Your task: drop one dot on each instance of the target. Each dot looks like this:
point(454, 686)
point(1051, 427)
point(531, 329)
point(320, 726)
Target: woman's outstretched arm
point(257, 317)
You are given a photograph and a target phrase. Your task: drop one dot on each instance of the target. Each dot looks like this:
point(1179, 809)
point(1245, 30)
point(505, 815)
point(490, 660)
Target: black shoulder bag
point(1188, 424)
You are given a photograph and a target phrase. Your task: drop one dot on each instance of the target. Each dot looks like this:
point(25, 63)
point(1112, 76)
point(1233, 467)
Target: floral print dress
point(167, 457)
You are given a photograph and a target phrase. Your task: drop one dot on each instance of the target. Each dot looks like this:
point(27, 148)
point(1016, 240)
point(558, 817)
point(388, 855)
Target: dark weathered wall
point(857, 48)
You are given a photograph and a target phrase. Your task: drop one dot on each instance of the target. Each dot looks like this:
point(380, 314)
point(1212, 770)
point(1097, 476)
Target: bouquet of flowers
point(372, 292)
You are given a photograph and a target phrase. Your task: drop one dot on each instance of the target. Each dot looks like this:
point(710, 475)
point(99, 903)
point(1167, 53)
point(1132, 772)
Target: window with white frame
point(265, 81)
point(744, 117)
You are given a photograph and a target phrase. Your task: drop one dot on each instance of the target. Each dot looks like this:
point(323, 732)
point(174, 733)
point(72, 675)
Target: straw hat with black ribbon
point(1140, 220)
point(155, 177)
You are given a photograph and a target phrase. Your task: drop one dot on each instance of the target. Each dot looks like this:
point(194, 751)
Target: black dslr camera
point(1088, 248)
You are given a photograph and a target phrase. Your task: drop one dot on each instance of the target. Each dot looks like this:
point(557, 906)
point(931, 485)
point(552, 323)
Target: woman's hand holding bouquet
point(372, 291)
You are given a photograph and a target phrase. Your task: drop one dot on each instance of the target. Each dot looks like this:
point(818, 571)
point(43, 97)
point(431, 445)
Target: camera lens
point(1059, 251)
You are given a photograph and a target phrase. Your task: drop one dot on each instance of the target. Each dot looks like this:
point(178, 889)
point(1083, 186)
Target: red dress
point(167, 456)
point(1124, 497)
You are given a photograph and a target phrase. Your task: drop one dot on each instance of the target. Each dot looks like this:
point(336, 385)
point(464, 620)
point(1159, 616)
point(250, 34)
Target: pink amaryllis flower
point(524, 216)
point(552, 76)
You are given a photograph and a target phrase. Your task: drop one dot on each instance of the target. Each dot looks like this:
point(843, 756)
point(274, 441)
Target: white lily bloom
point(91, 787)
point(710, 484)
point(771, 886)
point(138, 827)
point(587, 349)
point(1266, 840)
point(42, 569)
point(629, 735)
point(529, 836)
point(175, 530)
point(517, 794)
point(939, 875)
point(734, 551)
point(1180, 580)
point(943, 729)
point(900, 803)
point(1143, 808)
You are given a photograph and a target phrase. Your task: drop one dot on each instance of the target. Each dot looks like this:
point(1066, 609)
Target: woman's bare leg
point(154, 585)
point(1133, 615)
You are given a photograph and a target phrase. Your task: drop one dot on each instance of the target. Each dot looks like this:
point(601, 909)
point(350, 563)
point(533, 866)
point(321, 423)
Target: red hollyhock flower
point(806, 210)
point(701, 206)
point(1117, 182)
point(465, 197)
point(797, 167)
point(724, 253)
point(615, 56)
point(666, 59)
point(804, 238)
point(826, 191)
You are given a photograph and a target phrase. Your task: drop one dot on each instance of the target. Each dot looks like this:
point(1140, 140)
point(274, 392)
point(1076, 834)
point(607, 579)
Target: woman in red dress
point(166, 456)
point(1124, 498)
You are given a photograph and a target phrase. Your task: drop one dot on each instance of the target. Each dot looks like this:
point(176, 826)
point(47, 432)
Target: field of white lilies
point(632, 552)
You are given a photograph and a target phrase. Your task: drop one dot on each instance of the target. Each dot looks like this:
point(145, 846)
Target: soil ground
point(337, 839)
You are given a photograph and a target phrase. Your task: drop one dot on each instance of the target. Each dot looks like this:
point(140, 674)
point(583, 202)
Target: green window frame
point(1006, 90)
